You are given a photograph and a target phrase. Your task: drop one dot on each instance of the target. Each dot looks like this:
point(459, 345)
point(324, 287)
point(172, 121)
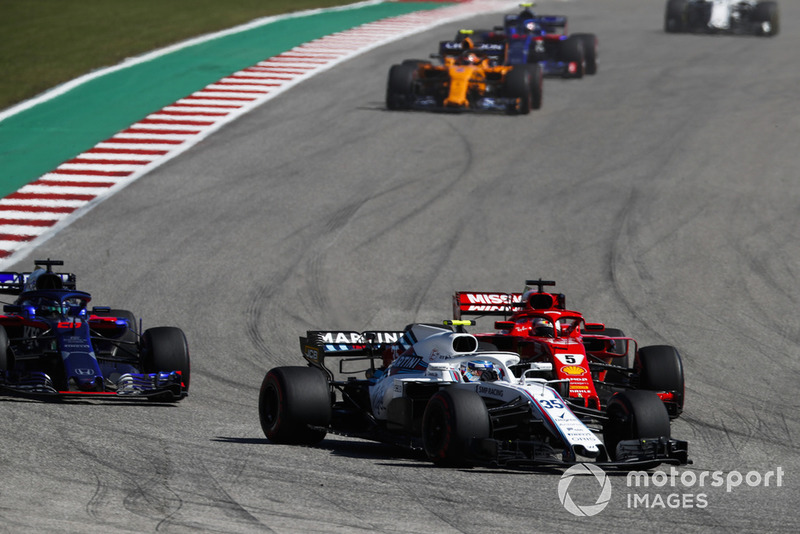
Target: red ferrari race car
point(556, 343)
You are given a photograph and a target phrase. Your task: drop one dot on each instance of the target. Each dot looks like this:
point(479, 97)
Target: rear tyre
point(452, 419)
point(165, 350)
point(572, 52)
point(400, 86)
point(291, 400)
point(675, 16)
point(634, 414)
point(590, 51)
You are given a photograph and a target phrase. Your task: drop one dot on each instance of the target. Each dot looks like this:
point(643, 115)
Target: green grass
point(44, 43)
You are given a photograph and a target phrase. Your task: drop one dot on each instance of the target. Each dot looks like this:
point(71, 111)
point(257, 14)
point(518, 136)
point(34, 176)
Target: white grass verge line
point(362, 38)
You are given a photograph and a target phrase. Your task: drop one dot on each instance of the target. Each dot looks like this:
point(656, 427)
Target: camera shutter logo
point(586, 510)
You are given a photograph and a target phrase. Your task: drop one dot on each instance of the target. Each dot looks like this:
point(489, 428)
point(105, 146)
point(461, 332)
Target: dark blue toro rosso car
point(542, 39)
point(52, 346)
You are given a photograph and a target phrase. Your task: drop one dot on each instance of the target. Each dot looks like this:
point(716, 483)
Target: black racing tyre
point(572, 51)
point(415, 62)
point(164, 349)
point(675, 16)
point(660, 368)
point(400, 86)
point(537, 83)
point(452, 418)
point(590, 51)
point(767, 12)
point(634, 414)
point(6, 356)
point(518, 84)
point(290, 401)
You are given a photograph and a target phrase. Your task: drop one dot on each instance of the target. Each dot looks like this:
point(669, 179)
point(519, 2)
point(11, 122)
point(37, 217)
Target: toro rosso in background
point(53, 347)
point(557, 344)
point(722, 16)
point(462, 406)
point(542, 39)
point(468, 78)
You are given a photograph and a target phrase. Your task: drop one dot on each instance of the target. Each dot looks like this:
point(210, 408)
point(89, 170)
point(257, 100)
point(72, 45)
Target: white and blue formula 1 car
point(750, 17)
point(437, 392)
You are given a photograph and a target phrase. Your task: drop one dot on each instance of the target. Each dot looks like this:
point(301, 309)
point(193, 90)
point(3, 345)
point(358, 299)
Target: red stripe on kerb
point(128, 141)
point(254, 79)
point(90, 172)
point(273, 70)
point(223, 106)
point(38, 209)
point(177, 122)
point(160, 132)
point(53, 183)
point(50, 196)
point(227, 91)
point(28, 222)
point(138, 151)
point(17, 238)
point(109, 161)
point(218, 98)
point(190, 114)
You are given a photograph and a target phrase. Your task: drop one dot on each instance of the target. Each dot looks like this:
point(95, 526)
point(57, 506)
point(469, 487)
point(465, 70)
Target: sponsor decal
point(573, 370)
point(349, 338)
point(488, 390)
point(312, 353)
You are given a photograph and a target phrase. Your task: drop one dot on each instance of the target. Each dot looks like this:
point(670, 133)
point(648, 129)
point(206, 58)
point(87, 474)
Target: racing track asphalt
point(661, 194)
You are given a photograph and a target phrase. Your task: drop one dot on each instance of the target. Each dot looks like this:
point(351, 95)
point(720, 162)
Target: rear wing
point(485, 303)
point(318, 345)
point(13, 283)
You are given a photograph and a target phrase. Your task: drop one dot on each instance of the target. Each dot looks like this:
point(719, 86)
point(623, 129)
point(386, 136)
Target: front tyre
point(165, 350)
point(767, 17)
point(452, 419)
point(400, 85)
point(292, 400)
point(675, 16)
point(634, 414)
point(536, 83)
point(660, 368)
point(590, 51)
point(518, 85)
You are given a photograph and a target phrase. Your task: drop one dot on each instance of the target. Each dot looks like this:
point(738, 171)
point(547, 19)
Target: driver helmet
point(542, 328)
point(479, 370)
point(471, 58)
point(42, 307)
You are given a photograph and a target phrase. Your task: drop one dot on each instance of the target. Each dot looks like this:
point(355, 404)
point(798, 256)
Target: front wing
point(165, 387)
